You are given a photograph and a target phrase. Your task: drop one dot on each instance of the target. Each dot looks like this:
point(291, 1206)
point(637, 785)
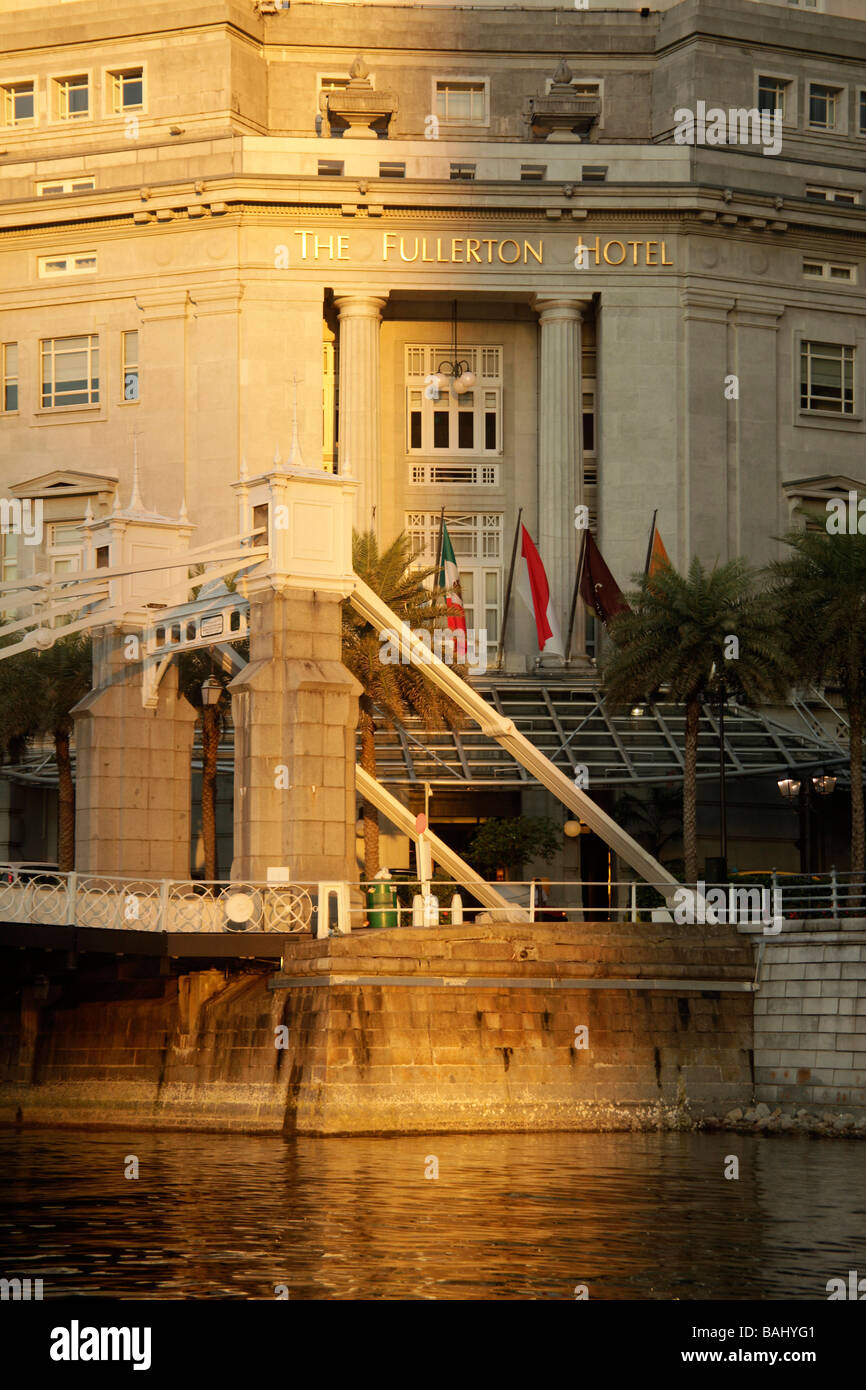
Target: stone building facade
point(209, 213)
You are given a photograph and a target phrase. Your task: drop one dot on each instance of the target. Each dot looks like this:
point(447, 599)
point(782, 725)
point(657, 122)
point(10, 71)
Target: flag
point(656, 555)
point(598, 588)
point(534, 589)
point(449, 583)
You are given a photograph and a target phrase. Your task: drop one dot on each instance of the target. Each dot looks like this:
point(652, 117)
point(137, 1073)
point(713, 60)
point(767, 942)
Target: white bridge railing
point(153, 905)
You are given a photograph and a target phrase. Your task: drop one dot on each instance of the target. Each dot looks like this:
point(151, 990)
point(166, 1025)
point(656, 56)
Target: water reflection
point(510, 1216)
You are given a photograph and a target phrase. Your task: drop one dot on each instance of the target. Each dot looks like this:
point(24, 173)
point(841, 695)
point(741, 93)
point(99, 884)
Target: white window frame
point(55, 188)
point(67, 263)
point(110, 87)
point(55, 89)
point(92, 349)
point(825, 269)
point(461, 79)
point(840, 125)
point(831, 195)
point(415, 393)
point(339, 82)
point(58, 553)
point(7, 103)
point(814, 411)
point(487, 531)
point(129, 368)
point(7, 377)
point(790, 110)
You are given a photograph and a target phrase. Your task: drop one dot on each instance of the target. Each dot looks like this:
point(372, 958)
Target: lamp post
point(801, 790)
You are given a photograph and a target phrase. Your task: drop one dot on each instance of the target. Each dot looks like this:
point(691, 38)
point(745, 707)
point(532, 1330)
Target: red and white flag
point(534, 589)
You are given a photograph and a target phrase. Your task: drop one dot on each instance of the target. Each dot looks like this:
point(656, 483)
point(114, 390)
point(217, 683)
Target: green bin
point(382, 905)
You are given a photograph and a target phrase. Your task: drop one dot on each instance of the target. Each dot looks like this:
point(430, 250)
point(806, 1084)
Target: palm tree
point(37, 693)
point(821, 591)
point(392, 692)
point(676, 635)
point(654, 818)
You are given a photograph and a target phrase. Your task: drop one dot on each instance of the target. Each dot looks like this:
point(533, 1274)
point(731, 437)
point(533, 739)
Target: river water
point(510, 1216)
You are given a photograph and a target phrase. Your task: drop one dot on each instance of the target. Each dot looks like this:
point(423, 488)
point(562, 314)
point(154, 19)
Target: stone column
point(295, 709)
point(132, 784)
point(559, 444)
point(360, 386)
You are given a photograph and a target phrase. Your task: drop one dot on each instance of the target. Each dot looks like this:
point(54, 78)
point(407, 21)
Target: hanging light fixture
point(789, 787)
point(456, 374)
point(825, 784)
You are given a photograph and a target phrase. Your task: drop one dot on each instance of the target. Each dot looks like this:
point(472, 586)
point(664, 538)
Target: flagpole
point(573, 610)
point(649, 549)
point(501, 649)
point(441, 545)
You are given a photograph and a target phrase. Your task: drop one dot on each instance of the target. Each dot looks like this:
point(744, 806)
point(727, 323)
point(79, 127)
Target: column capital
point(361, 305)
point(563, 308)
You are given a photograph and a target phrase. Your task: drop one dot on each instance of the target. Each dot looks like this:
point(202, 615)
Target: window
point(440, 422)
point(126, 90)
point(462, 173)
point(833, 195)
point(829, 270)
point(333, 167)
point(19, 103)
point(807, 4)
point(70, 371)
point(594, 173)
point(8, 567)
point(80, 264)
point(71, 97)
point(827, 378)
point(477, 541)
point(823, 106)
point(533, 173)
point(461, 102)
point(861, 113)
point(129, 364)
point(772, 92)
point(44, 190)
point(330, 84)
point(392, 170)
point(9, 367)
point(65, 544)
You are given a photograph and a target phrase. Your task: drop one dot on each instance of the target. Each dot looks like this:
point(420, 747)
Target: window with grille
point(824, 104)
point(827, 378)
point(439, 421)
point(44, 190)
point(72, 97)
point(70, 371)
point(772, 94)
point(478, 545)
point(126, 90)
point(462, 102)
point(129, 364)
point(80, 264)
point(19, 103)
point(9, 366)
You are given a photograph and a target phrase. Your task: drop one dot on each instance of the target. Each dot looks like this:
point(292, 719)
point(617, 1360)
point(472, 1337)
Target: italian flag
point(534, 589)
point(449, 583)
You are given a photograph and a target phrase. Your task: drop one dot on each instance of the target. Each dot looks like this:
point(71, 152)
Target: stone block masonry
point(810, 1016)
point(454, 1029)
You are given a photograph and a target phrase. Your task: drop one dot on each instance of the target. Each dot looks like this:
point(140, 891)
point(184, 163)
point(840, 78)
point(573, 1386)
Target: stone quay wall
point(810, 1016)
point(506, 1026)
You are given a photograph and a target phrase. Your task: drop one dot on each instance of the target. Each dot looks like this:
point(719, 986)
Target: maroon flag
point(598, 588)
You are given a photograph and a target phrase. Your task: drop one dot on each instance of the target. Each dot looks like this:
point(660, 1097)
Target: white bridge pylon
point(370, 606)
point(99, 591)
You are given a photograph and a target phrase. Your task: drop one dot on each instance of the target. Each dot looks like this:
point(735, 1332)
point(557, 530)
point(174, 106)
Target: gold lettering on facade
point(455, 243)
point(615, 253)
point(529, 250)
point(472, 245)
point(467, 250)
point(508, 260)
point(607, 258)
point(654, 245)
